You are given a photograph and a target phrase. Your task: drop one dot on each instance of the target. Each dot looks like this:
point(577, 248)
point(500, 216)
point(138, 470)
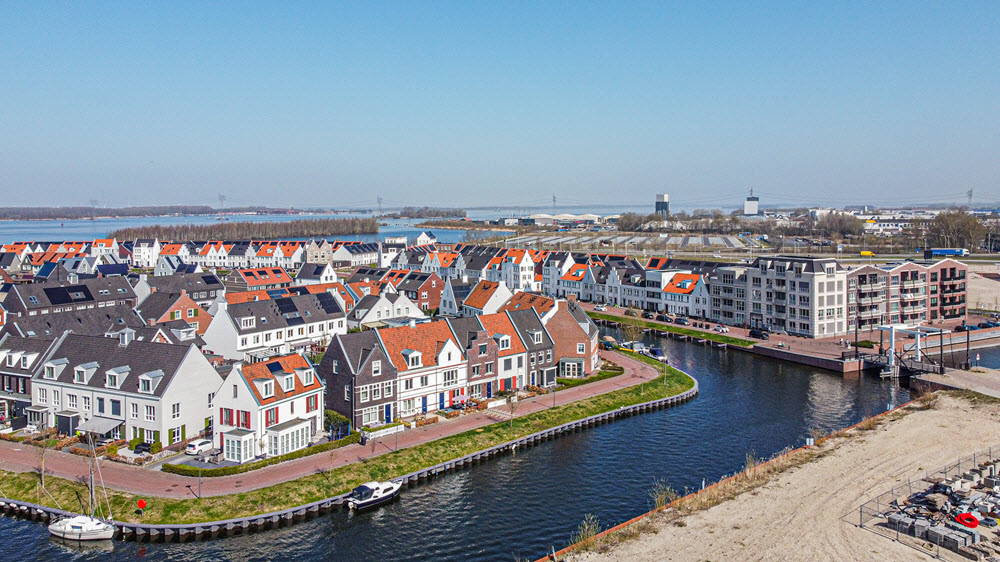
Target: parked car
point(630, 312)
point(647, 315)
point(721, 329)
point(600, 308)
point(971, 328)
point(682, 321)
point(985, 325)
point(199, 446)
point(661, 318)
point(758, 334)
point(142, 448)
point(961, 328)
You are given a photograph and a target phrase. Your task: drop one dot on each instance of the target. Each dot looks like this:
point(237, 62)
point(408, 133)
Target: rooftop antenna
point(969, 194)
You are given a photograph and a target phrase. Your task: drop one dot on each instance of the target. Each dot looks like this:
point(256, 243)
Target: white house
point(145, 252)
point(315, 274)
point(431, 370)
point(373, 309)
point(426, 238)
point(269, 408)
point(123, 388)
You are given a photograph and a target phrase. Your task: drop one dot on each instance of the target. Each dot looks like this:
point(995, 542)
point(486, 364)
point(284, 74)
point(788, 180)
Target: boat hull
point(364, 505)
point(91, 531)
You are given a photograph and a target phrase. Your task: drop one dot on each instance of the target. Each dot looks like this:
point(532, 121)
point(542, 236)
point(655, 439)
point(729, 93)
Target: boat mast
point(91, 439)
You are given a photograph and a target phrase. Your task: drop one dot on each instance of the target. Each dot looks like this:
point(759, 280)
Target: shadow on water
point(526, 503)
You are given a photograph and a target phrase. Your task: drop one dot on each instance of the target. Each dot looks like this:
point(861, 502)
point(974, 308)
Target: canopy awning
point(37, 409)
point(97, 424)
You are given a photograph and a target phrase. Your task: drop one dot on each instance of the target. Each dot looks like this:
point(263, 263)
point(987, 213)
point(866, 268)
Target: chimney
point(184, 292)
point(73, 278)
point(413, 323)
point(571, 298)
point(152, 321)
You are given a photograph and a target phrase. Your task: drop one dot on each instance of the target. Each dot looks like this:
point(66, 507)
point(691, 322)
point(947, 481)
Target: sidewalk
point(15, 457)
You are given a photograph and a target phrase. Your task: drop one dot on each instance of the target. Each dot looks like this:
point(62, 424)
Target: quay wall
point(242, 525)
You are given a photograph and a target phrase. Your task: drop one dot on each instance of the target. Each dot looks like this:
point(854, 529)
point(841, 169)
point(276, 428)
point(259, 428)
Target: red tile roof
point(264, 276)
point(261, 372)
point(575, 273)
point(682, 283)
point(500, 324)
point(426, 338)
point(525, 300)
point(481, 294)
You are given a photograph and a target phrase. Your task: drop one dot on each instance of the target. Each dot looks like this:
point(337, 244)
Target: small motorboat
point(657, 353)
point(82, 528)
point(373, 494)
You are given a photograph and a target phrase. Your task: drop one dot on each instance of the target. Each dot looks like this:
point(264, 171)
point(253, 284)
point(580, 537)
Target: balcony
point(913, 283)
point(871, 286)
point(870, 313)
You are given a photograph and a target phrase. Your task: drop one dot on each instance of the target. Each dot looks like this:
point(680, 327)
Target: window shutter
point(275, 414)
point(196, 311)
point(222, 418)
point(183, 433)
point(156, 437)
point(170, 436)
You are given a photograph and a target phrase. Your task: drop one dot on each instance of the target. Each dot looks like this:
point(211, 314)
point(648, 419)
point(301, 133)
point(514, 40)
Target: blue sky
point(335, 103)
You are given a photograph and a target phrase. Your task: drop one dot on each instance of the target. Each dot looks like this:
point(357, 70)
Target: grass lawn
point(335, 481)
point(600, 376)
point(713, 336)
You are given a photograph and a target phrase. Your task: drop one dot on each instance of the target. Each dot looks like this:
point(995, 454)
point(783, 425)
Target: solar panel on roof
point(297, 321)
point(285, 305)
point(328, 303)
point(275, 367)
point(210, 280)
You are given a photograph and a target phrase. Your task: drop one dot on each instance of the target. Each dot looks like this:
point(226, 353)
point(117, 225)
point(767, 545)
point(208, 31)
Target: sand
point(800, 514)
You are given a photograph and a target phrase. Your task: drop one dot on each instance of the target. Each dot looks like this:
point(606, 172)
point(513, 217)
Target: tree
point(43, 450)
point(956, 229)
point(631, 332)
point(512, 406)
point(840, 225)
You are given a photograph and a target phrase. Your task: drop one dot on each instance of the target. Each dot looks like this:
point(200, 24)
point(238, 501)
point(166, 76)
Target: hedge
point(606, 374)
point(185, 470)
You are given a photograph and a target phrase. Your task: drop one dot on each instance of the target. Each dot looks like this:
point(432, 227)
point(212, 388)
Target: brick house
point(160, 308)
point(361, 380)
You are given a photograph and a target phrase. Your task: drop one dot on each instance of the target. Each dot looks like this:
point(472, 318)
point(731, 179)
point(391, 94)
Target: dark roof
point(91, 321)
point(138, 356)
point(109, 269)
point(581, 316)
point(56, 293)
point(465, 329)
point(357, 347)
point(190, 282)
point(311, 271)
point(367, 248)
point(156, 305)
point(527, 321)
point(370, 273)
point(25, 345)
point(284, 312)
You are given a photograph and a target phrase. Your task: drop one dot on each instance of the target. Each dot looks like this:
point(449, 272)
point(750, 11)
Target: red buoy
point(967, 519)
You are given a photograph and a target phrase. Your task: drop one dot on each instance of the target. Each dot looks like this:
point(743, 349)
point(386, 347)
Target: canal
point(523, 505)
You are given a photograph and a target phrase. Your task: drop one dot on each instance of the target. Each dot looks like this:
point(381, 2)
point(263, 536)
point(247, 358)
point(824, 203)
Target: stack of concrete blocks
point(920, 527)
point(901, 522)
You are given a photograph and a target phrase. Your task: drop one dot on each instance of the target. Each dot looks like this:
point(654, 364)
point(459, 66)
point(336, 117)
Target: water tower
point(663, 204)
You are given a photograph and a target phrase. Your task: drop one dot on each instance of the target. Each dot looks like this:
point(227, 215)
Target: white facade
point(427, 389)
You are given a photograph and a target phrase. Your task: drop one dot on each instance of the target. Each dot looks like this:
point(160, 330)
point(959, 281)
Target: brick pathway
point(15, 457)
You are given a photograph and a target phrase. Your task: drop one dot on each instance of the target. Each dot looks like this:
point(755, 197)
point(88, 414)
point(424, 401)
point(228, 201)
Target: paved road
point(15, 457)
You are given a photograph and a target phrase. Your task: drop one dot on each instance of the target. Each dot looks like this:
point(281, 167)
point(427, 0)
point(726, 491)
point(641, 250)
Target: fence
point(873, 515)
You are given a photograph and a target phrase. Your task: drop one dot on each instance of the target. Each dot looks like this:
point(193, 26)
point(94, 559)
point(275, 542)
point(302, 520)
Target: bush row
point(185, 470)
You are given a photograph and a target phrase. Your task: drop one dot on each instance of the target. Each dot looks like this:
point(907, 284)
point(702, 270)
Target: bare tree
point(512, 406)
point(630, 331)
point(43, 451)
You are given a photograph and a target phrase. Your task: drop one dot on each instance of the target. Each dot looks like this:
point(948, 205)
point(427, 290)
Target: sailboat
point(86, 527)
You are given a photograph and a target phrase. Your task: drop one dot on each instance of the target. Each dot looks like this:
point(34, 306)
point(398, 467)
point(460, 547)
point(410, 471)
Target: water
point(525, 504)
point(13, 231)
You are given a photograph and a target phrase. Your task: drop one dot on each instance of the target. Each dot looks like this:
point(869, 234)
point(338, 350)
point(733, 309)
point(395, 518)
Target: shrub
point(867, 344)
point(185, 470)
point(9, 437)
point(132, 443)
point(156, 447)
point(333, 417)
point(111, 451)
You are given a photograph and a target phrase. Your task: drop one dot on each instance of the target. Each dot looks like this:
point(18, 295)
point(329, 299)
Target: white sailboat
point(86, 527)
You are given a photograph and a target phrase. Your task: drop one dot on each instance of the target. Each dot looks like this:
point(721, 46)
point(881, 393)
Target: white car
point(200, 446)
point(722, 329)
point(600, 308)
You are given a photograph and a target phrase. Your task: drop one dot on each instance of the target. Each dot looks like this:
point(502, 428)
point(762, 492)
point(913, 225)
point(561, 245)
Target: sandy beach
point(799, 514)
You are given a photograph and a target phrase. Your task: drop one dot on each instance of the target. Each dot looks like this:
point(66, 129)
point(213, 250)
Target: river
point(525, 504)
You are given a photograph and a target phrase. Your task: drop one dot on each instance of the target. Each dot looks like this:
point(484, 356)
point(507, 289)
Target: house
point(574, 334)
point(257, 278)
point(425, 238)
point(161, 307)
point(485, 298)
point(145, 252)
point(122, 388)
point(174, 265)
point(268, 408)
point(373, 310)
point(361, 380)
point(11, 262)
point(264, 328)
point(358, 254)
point(512, 356)
point(544, 306)
point(319, 252)
point(389, 249)
point(423, 289)
point(455, 291)
point(203, 288)
point(62, 296)
point(542, 366)
point(88, 321)
point(430, 366)
point(315, 274)
point(104, 247)
point(18, 358)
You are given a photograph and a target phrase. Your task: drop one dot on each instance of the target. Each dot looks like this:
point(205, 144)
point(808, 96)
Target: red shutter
point(221, 418)
point(275, 414)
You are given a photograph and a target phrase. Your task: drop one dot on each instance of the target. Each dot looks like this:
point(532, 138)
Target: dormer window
point(50, 372)
point(376, 368)
point(146, 386)
point(308, 378)
point(289, 383)
point(80, 376)
point(268, 389)
point(24, 362)
point(112, 381)
point(536, 337)
point(246, 323)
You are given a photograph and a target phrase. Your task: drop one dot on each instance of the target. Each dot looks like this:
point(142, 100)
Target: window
point(100, 406)
point(175, 435)
point(175, 411)
point(507, 364)
point(289, 383)
point(145, 385)
point(408, 384)
point(482, 349)
point(50, 372)
point(268, 389)
point(192, 313)
point(536, 337)
point(150, 413)
point(234, 391)
point(489, 368)
point(336, 366)
point(112, 381)
point(270, 417)
point(71, 401)
point(135, 411)
point(376, 368)
point(347, 393)
point(308, 378)
point(364, 394)
point(211, 399)
point(475, 370)
point(450, 378)
point(580, 348)
point(43, 396)
point(423, 380)
point(80, 376)
point(505, 343)
point(86, 403)
point(387, 389)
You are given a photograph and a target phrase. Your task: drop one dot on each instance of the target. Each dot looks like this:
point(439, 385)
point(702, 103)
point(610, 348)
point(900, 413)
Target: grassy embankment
point(338, 480)
point(713, 336)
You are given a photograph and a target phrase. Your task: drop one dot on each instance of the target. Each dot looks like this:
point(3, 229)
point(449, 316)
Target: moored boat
point(82, 528)
point(372, 494)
